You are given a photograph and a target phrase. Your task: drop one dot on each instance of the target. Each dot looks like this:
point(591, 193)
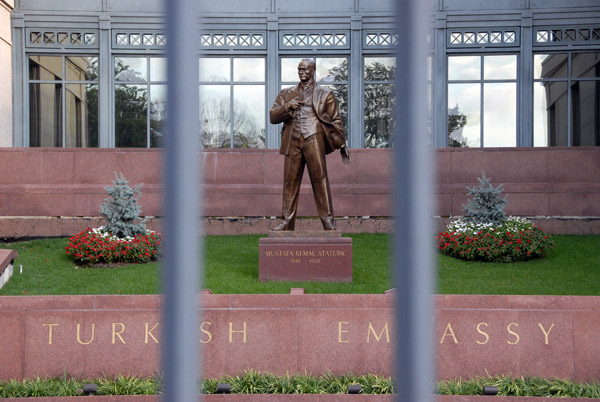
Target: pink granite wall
point(57, 192)
point(88, 336)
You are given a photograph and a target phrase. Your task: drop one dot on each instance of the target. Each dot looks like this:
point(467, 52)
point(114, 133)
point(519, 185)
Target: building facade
point(513, 89)
point(508, 73)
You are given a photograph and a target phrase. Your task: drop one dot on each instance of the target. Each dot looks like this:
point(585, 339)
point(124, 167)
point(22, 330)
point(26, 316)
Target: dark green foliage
point(252, 382)
point(487, 204)
point(122, 211)
point(67, 386)
point(522, 386)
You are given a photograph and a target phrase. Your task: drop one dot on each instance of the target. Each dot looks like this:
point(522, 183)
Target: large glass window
point(482, 101)
point(379, 101)
point(331, 72)
point(140, 101)
point(566, 93)
point(232, 102)
point(63, 101)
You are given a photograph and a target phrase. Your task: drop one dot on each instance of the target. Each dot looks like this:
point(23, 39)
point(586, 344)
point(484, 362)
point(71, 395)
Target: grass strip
point(571, 268)
point(231, 268)
point(252, 382)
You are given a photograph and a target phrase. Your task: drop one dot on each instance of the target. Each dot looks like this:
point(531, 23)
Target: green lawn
point(572, 268)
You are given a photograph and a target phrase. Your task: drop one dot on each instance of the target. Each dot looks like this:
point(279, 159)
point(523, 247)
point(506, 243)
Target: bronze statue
point(312, 128)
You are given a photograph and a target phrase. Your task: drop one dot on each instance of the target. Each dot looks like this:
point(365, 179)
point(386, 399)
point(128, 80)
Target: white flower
point(100, 231)
point(512, 224)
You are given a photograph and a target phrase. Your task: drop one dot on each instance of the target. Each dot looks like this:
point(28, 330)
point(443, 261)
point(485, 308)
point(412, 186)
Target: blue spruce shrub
point(485, 233)
point(121, 210)
point(487, 204)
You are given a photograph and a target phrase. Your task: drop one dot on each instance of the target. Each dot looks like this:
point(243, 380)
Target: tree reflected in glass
point(379, 102)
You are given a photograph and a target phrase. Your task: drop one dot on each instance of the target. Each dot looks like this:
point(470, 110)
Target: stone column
point(6, 102)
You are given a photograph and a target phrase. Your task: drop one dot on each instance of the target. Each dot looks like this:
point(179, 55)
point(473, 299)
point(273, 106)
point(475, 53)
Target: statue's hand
point(345, 155)
point(294, 104)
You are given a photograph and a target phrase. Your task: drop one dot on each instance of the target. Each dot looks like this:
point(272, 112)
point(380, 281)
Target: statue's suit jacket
point(326, 109)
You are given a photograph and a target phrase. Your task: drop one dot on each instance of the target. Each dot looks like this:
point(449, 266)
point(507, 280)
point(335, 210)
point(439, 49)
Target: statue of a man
point(312, 128)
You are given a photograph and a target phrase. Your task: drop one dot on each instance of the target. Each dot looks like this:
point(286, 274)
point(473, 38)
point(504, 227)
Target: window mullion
point(63, 103)
point(481, 102)
point(231, 101)
point(569, 101)
point(148, 98)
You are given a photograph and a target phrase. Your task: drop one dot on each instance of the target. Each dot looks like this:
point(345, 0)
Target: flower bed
point(516, 239)
point(96, 246)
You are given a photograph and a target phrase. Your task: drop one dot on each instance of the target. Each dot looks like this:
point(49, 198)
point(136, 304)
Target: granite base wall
point(89, 336)
point(57, 192)
point(24, 227)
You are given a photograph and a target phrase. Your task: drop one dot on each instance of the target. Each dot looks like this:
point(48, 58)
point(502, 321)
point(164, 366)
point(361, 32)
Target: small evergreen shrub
point(486, 234)
point(487, 204)
point(122, 211)
point(97, 246)
point(124, 239)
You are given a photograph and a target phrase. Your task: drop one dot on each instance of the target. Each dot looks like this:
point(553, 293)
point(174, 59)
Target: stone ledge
point(26, 227)
point(304, 233)
point(6, 257)
point(6, 265)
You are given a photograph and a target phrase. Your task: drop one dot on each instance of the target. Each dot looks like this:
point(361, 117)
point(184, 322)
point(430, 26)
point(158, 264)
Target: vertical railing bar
point(182, 264)
point(412, 243)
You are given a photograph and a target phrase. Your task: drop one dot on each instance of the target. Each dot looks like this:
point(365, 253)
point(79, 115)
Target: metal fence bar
point(413, 239)
point(182, 264)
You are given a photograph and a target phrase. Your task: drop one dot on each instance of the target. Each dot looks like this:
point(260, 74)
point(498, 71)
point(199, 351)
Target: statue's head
point(306, 70)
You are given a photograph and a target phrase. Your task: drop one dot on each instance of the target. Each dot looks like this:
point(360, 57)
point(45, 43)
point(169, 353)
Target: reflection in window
point(232, 87)
point(566, 99)
point(482, 101)
point(215, 117)
point(464, 121)
point(248, 116)
point(140, 101)
point(585, 96)
point(158, 114)
point(63, 101)
point(379, 101)
point(499, 114)
point(464, 68)
point(289, 70)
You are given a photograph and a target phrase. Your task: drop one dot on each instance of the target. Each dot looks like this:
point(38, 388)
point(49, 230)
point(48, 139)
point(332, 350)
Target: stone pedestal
point(305, 255)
